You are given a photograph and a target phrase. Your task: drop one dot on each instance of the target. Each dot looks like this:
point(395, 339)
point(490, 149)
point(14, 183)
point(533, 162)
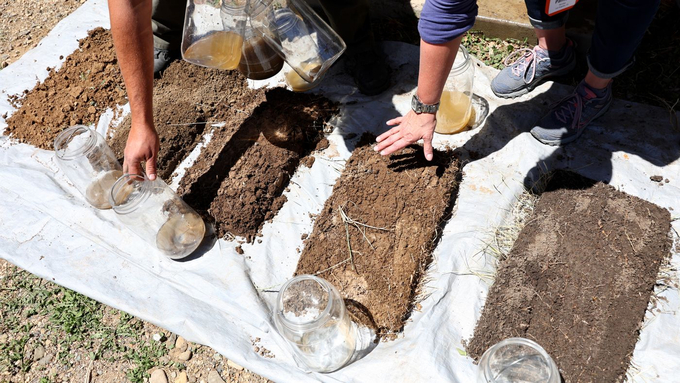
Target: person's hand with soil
point(435, 64)
point(133, 39)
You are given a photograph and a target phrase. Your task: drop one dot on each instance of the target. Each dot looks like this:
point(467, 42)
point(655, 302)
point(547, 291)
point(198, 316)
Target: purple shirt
point(443, 20)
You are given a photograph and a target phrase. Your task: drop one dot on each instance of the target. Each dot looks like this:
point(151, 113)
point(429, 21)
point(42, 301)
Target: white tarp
point(220, 299)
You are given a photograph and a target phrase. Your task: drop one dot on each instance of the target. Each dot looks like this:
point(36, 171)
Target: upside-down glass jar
point(455, 105)
point(213, 34)
point(300, 36)
point(258, 60)
point(311, 315)
point(517, 360)
point(157, 214)
point(88, 162)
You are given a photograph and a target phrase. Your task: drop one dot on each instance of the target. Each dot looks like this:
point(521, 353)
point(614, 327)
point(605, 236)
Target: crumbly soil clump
point(387, 213)
point(87, 84)
point(187, 100)
point(240, 176)
point(578, 280)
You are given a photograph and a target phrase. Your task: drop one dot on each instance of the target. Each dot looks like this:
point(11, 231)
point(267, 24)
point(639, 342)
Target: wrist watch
point(419, 107)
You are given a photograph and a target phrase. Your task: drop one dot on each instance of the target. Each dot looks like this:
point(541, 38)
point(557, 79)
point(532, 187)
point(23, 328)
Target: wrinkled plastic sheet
point(223, 299)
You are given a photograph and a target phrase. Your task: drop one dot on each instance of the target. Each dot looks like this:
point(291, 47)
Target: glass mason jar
point(455, 105)
point(157, 214)
point(299, 35)
point(213, 34)
point(258, 60)
point(88, 162)
point(311, 315)
point(517, 360)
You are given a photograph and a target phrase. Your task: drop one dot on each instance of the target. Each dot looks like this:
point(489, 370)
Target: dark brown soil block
point(186, 99)
point(388, 212)
point(240, 176)
point(578, 281)
point(87, 84)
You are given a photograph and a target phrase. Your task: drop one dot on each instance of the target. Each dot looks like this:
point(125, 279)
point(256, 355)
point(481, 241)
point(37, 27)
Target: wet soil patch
point(387, 213)
point(240, 176)
point(187, 99)
point(87, 84)
point(578, 280)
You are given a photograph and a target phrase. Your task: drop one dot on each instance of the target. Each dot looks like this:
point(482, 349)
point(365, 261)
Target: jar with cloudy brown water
point(155, 213)
point(88, 162)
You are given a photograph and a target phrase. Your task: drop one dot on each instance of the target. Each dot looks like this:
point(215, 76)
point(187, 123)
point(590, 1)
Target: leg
point(167, 22)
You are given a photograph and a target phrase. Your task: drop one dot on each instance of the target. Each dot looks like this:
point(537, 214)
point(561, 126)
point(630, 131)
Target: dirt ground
point(374, 237)
point(579, 279)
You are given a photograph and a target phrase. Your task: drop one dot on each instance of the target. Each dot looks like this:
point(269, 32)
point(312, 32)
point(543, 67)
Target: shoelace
point(520, 65)
point(571, 109)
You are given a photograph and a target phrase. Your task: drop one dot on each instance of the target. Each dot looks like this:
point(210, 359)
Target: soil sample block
point(187, 98)
point(578, 280)
point(87, 84)
point(240, 176)
point(374, 237)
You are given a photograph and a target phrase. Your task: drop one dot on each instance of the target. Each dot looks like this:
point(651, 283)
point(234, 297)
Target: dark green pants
point(349, 18)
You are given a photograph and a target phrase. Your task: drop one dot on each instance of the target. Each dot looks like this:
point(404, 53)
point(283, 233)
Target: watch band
point(419, 107)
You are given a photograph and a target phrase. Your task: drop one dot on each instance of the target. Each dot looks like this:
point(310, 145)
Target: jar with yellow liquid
point(455, 106)
point(157, 214)
point(213, 34)
point(88, 162)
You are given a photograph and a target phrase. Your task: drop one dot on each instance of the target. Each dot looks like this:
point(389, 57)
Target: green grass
point(491, 51)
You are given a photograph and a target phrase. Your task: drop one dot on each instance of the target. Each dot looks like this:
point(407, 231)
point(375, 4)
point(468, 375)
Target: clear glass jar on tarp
point(517, 360)
point(213, 33)
point(88, 162)
point(299, 35)
point(157, 214)
point(258, 60)
point(311, 315)
point(455, 105)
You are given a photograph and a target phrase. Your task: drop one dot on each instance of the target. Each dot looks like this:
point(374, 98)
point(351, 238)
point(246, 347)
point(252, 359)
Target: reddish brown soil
point(578, 281)
point(186, 96)
point(240, 177)
point(88, 83)
point(397, 206)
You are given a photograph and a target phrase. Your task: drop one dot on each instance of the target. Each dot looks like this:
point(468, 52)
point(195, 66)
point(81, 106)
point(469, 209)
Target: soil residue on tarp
point(578, 279)
point(374, 237)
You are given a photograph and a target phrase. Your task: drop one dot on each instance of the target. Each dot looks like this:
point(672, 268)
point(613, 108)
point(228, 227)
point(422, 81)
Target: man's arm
point(133, 39)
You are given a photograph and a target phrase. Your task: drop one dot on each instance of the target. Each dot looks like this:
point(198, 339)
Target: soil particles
point(87, 84)
point(387, 213)
point(239, 178)
point(187, 98)
point(579, 279)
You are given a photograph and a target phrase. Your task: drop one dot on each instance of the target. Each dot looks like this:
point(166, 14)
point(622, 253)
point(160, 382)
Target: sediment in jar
point(221, 50)
point(454, 112)
point(181, 234)
point(297, 83)
point(97, 193)
point(258, 60)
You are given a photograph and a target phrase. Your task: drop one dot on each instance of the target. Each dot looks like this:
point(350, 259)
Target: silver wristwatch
point(419, 107)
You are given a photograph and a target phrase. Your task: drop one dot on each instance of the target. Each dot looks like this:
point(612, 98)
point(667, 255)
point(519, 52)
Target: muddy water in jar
point(258, 60)
point(297, 83)
point(97, 193)
point(454, 112)
point(181, 234)
point(221, 50)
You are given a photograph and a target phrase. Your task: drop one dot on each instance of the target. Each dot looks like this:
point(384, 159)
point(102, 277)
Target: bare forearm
point(133, 39)
point(435, 64)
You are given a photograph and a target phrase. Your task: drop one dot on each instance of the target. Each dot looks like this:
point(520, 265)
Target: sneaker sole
point(565, 141)
point(533, 85)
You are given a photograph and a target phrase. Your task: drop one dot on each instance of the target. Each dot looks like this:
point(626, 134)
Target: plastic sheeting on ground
point(222, 299)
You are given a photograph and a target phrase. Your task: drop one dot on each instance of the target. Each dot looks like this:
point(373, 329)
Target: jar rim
point(62, 140)
point(521, 342)
point(320, 319)
point(129, 206)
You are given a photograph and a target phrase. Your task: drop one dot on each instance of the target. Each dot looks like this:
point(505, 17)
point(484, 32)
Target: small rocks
point(38, 353)
point(656, 178)
point(45, 360)
point(214, 377)
point(182, 378)
point(157, 337)
point(158, 376)
point(233, 365)
point(181, 344)
point(185, 356)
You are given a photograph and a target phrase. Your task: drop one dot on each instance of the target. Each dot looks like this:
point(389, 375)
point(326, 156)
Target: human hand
point(142, 146)
point(408, 130)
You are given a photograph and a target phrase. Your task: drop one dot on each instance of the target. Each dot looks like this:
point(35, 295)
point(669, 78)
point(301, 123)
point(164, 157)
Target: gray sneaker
point(530, 69)
point(161, 59)
point(569, 118)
